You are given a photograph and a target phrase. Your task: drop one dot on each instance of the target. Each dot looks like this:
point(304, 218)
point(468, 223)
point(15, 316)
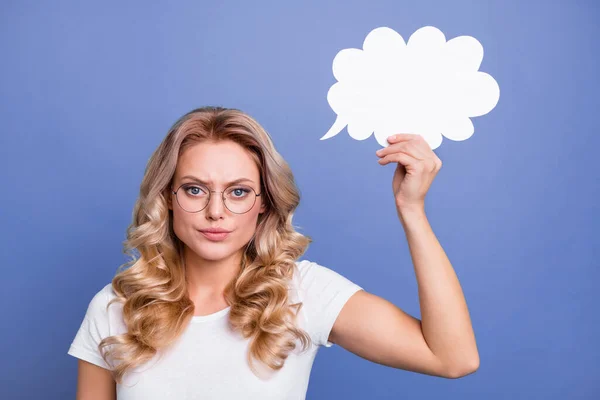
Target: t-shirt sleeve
point(93, 329)
point(324, 293)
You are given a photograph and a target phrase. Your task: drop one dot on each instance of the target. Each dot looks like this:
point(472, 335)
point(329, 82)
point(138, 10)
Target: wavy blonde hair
point(153, 291)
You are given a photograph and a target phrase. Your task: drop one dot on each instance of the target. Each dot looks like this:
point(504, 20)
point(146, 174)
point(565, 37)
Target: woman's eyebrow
point(209, 182)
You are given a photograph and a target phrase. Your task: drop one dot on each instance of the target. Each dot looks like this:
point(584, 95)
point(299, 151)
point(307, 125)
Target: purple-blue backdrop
point(89, 90)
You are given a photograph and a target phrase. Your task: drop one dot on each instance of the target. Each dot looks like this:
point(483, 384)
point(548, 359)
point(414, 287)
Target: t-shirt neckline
point(211, 317)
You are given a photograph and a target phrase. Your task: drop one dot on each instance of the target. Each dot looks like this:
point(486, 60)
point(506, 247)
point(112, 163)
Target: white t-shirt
point(209, 360)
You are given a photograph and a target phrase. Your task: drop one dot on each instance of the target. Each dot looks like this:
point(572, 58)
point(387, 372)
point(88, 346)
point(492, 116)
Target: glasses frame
point(210, 192)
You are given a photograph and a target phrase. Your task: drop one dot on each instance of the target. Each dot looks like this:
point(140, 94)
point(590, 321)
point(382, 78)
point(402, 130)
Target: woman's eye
point(238, 192)
point(194, 190)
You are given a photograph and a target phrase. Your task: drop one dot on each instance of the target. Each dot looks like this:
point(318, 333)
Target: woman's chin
point(213, 251)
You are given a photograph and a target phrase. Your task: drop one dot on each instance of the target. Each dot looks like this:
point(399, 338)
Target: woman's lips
point(215, 236)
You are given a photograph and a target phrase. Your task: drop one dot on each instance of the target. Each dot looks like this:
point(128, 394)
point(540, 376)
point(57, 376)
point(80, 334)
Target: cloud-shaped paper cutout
point(427, 86)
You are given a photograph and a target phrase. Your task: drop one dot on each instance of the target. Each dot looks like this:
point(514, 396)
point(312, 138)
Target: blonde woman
point(216, 303)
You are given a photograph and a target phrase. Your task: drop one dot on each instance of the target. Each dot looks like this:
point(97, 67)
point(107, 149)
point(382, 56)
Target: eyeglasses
point(238, 199)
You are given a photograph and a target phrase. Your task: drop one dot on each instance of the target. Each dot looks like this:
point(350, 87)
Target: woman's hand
point(417, 167)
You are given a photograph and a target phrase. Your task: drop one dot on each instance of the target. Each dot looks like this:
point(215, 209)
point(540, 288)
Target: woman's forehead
point(217, 163)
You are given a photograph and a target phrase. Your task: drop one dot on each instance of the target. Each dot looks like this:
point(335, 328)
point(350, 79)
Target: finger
point(409, 147)
point(400, 137)
point(419, 141)
point(401, 157)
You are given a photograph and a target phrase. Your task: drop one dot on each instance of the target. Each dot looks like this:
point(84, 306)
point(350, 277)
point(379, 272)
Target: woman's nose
point(215, 206)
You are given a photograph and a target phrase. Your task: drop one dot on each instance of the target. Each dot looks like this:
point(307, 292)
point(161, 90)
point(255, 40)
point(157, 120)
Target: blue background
point(88, 90)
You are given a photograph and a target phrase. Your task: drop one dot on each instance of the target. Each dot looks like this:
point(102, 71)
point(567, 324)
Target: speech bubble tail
point(336, 128)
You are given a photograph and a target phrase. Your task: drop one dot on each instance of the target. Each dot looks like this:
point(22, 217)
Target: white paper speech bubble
point(427, 86)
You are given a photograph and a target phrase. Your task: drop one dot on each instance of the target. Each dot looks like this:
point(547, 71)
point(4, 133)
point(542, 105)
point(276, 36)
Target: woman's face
point(216, 164)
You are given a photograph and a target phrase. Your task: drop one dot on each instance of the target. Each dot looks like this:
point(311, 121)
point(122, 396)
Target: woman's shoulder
point(104, 295)
point(305, 265)
point(323, 292)
point(315, 277)
point(100, 306)
point(310, 276)
point(308, 269)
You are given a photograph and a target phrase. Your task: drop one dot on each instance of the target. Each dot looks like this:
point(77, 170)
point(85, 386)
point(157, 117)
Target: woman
point(217, 303)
